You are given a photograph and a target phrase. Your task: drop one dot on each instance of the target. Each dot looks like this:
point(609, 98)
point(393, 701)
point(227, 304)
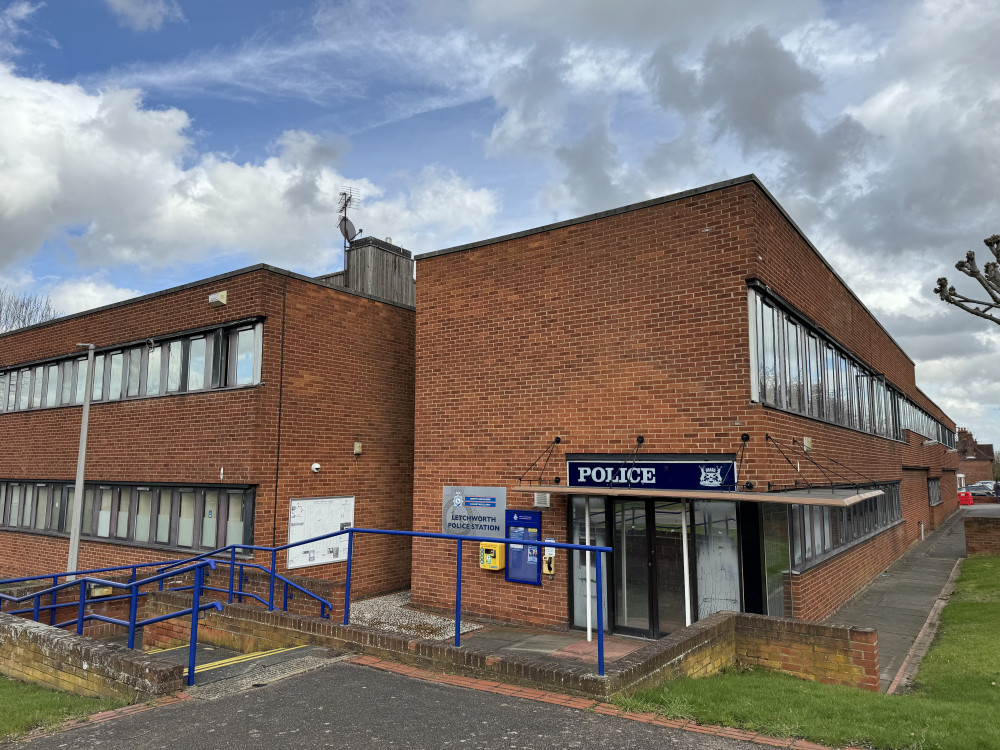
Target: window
point(143, 514)
point(98, 391)
point(134, 368)
point(25, 391)
point(115, 377)
point(174, 366)
point(52, 385)
point(224, 357)
point(153, 372)
point(200, 518)
point(816, 531)
point(196, 364)
point(799, 370)
point(36, 388)
point(934, 491)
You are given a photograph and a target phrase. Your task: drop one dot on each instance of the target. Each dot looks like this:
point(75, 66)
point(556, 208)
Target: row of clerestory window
point(797, 368)
point(192, 517)
point(223, 357)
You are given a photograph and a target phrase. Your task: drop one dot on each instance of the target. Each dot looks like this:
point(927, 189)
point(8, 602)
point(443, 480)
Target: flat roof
point(834, 497)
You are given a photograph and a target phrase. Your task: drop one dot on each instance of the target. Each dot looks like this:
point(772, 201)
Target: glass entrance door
point(632, 567)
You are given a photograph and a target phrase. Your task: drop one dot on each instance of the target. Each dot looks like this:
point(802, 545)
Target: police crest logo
point(711, 476)
point(457, 499)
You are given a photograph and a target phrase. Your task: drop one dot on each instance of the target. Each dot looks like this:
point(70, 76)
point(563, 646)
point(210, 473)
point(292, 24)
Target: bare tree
point(988, 278)
point(18, 310)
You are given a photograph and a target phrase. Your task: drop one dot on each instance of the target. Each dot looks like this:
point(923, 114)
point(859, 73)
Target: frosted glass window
point(115, 378)
point(104, 513)
point(185, 524)
point(244, 357)
point(153, 372)
point(210, 519)
point(163, 518)
point(23, 398)
point(174, 367)
point(124, 500)
point(134, 365)
point(36, 388)
point(196, 364)
point(98, 393)
point(3, 500)
point(41, 506)
point(3, 390)
point(11, 391)
point(234, 521)
point(54, 518)
point(26, 506)
point(15, 504)
point(142, 514)
point(51, 385)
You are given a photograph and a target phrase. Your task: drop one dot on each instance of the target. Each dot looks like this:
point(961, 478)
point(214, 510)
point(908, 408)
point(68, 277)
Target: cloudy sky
point(147, 143)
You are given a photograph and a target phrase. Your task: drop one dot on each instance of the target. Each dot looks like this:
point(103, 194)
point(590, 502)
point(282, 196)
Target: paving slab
point(898, 603)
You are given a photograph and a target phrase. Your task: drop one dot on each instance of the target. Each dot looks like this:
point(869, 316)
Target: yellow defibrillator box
point(491, 555)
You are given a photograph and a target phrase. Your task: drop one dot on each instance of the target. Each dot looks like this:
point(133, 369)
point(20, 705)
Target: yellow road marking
point(242, 658)
point(163, 650)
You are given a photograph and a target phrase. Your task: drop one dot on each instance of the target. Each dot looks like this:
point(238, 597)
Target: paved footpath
point(899, 603)
point(366, 703)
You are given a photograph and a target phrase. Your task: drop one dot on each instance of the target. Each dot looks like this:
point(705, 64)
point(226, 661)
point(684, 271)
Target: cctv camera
point(315, 468)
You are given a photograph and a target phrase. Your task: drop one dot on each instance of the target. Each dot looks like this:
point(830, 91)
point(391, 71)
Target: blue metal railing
point(238, 567)
point(134, 592)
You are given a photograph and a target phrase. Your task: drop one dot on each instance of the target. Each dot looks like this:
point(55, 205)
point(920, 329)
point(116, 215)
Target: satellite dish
point(347, 229)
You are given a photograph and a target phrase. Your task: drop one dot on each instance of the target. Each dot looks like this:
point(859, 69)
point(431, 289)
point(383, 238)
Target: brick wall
point(809, 650)
point(982, 536)
point(634, 323)
point(43, 655)
point(336, 368)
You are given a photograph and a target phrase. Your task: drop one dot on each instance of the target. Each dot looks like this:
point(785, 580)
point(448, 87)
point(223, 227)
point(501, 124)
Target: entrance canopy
point(835, 497)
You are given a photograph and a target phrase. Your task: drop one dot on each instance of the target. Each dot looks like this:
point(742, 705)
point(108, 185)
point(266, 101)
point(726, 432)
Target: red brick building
point(975, 460)
point(786, 457)
point(207, 419)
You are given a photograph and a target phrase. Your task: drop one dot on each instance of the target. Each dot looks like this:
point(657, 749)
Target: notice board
point(315, 516)
point(523, 561)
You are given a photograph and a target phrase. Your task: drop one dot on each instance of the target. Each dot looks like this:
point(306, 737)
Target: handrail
point(198, 563)
point(133, 586)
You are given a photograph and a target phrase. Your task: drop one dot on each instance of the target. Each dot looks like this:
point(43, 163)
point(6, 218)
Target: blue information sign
point(622, 473)
point(524, 561)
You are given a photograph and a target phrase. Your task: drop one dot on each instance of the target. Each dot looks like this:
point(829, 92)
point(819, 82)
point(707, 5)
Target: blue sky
point(146, 143)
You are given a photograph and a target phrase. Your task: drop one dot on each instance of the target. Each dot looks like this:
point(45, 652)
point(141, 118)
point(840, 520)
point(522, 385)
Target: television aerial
point(348, 197)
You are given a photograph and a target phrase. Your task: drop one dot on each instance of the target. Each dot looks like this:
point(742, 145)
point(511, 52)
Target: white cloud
point(76, 295)
point(145, 15)
point(12, 19)
point(122, 184)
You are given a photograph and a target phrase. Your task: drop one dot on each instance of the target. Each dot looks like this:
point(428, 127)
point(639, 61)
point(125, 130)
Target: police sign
point(623, 473)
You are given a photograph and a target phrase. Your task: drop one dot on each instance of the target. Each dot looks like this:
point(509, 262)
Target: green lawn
point(24, 707)
point(954, 705)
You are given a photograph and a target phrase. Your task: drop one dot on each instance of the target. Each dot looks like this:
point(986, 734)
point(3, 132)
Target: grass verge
point(953, 705)
point(25, 707)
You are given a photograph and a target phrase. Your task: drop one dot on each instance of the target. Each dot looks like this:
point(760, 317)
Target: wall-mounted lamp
point(315, 468)
point(357, 448)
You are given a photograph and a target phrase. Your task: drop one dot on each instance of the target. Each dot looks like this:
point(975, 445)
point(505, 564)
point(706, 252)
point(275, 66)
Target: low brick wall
point(982, 535)
point(812, 651)
point(843, 656)
point(33, 652)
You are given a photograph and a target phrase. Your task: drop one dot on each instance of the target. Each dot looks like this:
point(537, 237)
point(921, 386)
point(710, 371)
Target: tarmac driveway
point(346, 706)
